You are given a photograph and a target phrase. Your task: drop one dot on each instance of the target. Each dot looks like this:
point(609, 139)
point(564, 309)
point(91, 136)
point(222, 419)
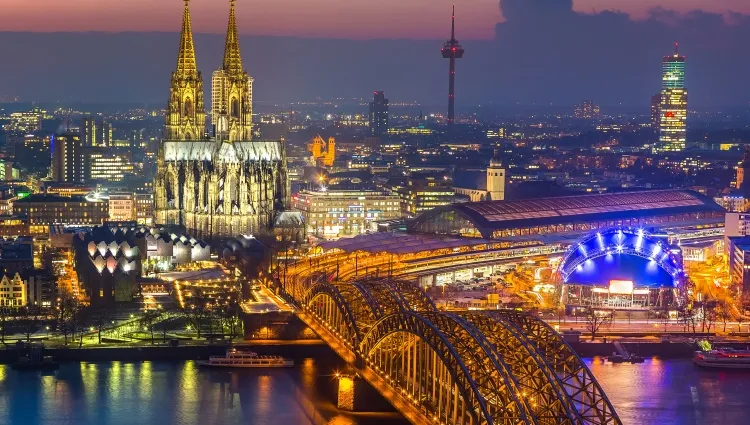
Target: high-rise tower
point(673, 105)
point(379, 114)
point(452, 50)
point(231, 87)
point(186, 116)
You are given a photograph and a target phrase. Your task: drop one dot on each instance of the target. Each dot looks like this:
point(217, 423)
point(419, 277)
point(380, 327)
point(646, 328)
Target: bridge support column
point(346, 392)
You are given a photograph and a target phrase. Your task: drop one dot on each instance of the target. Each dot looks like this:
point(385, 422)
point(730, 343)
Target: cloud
point(543, 52)
point(553, 54)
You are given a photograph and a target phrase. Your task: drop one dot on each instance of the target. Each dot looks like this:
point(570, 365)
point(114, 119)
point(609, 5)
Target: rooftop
point(399, 243)
point(566, 209)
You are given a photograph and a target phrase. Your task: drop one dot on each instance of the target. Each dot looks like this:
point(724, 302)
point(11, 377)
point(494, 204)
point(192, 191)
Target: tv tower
point(452, 50)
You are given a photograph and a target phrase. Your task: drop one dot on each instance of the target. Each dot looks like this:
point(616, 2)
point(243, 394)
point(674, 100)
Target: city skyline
point(417, 19)
point(515, 68)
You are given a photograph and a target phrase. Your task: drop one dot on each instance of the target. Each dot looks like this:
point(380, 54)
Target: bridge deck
point(402, 404)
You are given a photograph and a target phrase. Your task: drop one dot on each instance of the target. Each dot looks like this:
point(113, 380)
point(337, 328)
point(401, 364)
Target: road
point(266, 302)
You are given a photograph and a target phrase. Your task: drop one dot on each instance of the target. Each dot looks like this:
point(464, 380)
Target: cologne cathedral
point(217, 184)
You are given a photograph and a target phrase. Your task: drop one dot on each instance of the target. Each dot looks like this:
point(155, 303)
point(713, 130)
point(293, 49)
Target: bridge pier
point(347, 385)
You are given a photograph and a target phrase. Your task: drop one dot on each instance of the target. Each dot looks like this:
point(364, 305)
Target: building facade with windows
point(12, 291)
point(673, 105)
point(342, 213)
point(43, 211)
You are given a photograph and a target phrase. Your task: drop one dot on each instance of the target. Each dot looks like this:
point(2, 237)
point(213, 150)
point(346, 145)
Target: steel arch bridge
point(474, 367)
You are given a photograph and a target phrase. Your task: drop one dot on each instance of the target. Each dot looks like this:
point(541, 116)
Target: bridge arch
point(576, 378)
point(328, 305)
point(416, 357)
point(536, 379)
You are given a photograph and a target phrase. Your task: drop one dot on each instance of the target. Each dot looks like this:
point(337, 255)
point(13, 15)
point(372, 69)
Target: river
point(161, 393)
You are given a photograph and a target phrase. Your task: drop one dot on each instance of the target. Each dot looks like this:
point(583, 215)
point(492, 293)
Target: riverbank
point(146, 352)
point(665, 350)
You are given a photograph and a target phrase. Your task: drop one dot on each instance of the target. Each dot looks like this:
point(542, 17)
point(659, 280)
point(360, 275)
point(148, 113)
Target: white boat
point(245, 359)
point(724, 358)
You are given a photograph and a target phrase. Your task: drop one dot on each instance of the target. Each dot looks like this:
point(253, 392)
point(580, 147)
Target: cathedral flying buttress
point(223, 186)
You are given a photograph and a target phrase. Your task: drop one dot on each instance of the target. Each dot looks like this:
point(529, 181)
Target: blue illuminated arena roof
point(622, 253)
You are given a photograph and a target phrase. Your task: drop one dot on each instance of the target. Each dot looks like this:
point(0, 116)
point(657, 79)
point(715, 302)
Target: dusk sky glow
point(358, 19)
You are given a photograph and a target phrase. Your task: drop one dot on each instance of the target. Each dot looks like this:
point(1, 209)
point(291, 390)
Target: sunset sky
point(357, 19)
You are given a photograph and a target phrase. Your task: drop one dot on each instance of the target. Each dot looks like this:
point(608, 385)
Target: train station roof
point(486, 217)
point(399, 243)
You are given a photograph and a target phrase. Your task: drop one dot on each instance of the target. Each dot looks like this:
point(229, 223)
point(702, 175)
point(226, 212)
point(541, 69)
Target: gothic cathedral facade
point(222, 183)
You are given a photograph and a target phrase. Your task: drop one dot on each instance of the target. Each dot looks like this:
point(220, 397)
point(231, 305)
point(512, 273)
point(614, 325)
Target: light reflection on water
point(156, 393)
point(671, 392)
point(674, 392)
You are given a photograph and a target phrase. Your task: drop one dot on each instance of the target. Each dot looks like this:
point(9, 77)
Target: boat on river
point(722, 358)
point(245, 359)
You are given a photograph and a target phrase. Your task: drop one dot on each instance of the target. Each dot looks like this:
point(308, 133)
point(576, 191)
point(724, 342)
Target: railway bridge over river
point(436, 367)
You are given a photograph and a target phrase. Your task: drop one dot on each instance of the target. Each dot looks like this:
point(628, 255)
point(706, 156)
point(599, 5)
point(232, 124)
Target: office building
point(90, 131)
point(24, 122)
point(122, 206)
point(144, 212)
point(340, 213)
point(673, 105)
point(96, 133)
point(379, 114)
point(68, 159)
point(424, 192)
point(655, 108)
point(211, 185)
point(107, 165)
point(739, 266)
point(43, 211)
point(587, 110)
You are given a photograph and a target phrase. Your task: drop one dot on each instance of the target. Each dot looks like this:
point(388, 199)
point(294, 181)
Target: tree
point(67, 308)
point(596, 319)
point(686, 317)
point(100, 318)
point(4, 315)
point(196, 310)
point(724, 312)
point(708, 315)
point(30, 321)
point(148, 320)
point(228, 317)
point(664, 319)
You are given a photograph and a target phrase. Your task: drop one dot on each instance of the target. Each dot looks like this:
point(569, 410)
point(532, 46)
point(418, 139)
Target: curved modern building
point(668, 209)
point(622, 268)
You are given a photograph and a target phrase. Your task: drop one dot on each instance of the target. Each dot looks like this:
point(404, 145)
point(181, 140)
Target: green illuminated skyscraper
point(673, 105)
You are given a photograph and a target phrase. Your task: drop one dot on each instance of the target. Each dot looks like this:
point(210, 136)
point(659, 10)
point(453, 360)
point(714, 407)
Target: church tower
point(495, 179)
point(231, 87)
point(186, 116)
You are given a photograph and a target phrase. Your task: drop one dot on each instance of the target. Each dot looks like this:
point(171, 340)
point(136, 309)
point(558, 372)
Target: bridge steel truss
point(474, 367)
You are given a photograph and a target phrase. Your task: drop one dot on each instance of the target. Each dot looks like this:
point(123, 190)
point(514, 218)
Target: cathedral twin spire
point(232, 63)
point(186, 64)
point(186, 116)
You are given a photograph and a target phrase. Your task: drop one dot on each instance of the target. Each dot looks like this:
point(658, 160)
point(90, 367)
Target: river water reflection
point(674, 392)
point(156, 393)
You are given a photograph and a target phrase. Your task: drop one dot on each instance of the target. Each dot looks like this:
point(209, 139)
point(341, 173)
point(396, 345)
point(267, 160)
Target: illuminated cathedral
point(217, 184)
